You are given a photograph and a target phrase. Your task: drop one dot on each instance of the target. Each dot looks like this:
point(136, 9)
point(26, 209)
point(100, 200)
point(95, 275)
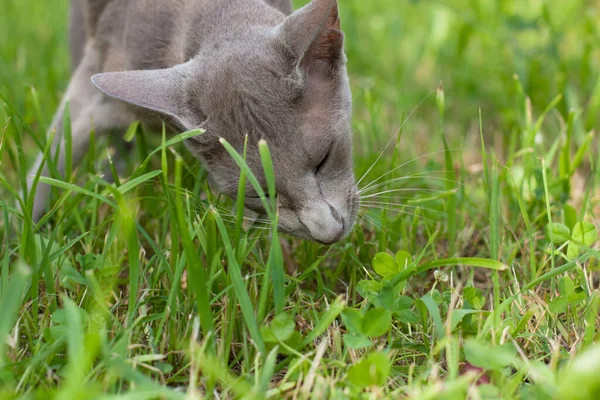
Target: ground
point(473, 271)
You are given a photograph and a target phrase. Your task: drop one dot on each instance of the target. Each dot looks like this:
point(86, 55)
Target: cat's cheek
point(290, 223)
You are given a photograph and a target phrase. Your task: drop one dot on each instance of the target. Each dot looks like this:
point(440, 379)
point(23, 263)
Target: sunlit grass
point(473, 270)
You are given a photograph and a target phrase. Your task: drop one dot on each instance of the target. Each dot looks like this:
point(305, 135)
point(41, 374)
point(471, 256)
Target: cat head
point(287, 85)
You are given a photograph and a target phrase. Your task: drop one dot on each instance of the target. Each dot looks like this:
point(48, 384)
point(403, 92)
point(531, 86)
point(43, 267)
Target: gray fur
point(77, 33)
point(233, 68)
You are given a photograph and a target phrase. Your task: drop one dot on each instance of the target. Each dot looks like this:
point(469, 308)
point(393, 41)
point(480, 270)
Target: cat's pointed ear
point(161, 91)
point(313, 32)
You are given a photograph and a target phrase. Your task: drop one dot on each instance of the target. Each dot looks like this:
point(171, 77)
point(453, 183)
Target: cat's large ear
point(161, 91)
point(313, 33)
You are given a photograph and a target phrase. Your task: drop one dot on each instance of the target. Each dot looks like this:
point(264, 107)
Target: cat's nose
point(323, 223)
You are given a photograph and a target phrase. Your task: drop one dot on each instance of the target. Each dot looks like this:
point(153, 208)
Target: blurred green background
point(506, 59)
point(398, 50)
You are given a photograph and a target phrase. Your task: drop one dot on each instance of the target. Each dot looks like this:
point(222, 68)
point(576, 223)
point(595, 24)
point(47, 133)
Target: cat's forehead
point(260, 54)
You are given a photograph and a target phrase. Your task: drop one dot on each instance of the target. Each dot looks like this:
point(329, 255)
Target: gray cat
point(232, 68)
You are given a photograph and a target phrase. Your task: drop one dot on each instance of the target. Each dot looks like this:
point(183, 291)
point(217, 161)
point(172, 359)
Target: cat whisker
point(397, 198)
point(413, 200)
point(225, 211)
point(393, 138)
point(416, 159)
point(405, 212)
point(204, 205)
point(401, 190)
point(423, 174)
point(398, 207)
point(374, 223)
point(432, 178)
point(232, 221)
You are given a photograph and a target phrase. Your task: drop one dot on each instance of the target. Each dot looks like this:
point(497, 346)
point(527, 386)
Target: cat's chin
point(323, 242)
point(305, 236)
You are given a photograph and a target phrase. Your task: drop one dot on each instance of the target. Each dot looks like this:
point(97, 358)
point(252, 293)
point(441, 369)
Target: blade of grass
point(324, 322)
point(275, 261)
point(197, 272)
point(11, 296)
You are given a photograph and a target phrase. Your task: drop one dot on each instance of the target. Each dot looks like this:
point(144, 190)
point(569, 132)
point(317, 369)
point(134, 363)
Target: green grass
point(475, 256)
